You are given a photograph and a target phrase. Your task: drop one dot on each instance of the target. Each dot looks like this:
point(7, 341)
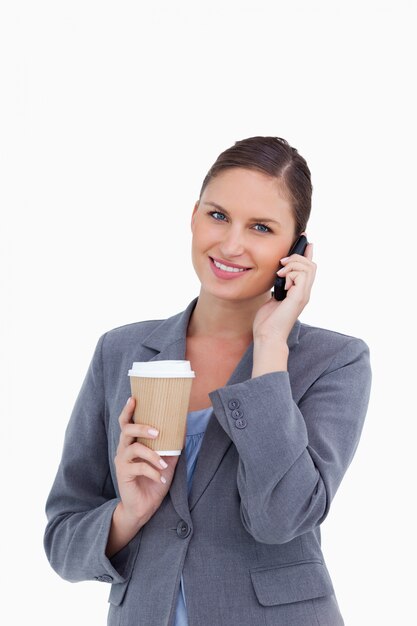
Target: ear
point(193, 214)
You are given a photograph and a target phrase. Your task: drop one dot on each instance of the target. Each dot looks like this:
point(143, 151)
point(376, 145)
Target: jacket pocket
point(293, 582)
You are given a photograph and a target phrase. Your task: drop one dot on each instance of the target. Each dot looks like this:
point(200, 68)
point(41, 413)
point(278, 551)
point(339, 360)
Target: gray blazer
point(247, 540)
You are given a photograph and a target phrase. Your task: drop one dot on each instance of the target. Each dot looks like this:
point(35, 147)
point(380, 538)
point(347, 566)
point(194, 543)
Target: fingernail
point(128, 400)
point(163, 464)
point(163, 479)
point(281, 270)
point(285, 258)
point(153, 432)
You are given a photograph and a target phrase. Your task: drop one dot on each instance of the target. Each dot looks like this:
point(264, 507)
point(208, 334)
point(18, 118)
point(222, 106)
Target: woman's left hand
point(276, 319)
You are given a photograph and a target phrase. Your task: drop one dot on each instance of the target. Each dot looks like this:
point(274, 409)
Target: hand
point(276, 319)
point(143, 477)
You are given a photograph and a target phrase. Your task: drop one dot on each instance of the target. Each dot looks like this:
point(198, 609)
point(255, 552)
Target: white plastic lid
point(162, 369)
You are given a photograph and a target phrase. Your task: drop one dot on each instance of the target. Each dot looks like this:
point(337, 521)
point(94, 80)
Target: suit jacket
point(247, 540)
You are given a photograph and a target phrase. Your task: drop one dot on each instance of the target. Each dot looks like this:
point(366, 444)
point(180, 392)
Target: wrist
point(127, 519)
point(269, 355)
point(279, 341)
point(123, 528)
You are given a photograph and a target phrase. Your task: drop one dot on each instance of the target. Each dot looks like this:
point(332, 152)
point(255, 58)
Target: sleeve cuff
point(263, 421)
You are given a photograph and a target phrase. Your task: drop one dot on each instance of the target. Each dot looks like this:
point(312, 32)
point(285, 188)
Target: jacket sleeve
point(82, 499)
point(293, 458)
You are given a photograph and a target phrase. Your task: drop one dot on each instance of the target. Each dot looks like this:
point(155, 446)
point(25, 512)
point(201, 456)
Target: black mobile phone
point(279, 284)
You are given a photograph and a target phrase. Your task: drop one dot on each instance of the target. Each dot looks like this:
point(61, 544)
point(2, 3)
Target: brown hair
point(273, 156)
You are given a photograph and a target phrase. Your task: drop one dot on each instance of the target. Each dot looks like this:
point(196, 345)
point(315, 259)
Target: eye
point(263, 228)
point(220, 217)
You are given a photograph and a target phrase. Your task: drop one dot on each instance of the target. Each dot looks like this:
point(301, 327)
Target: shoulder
point(142, 340)
point(331, 348)
point(156, 333)
point(128, 333)
point(117, 348)
point(333, 339)
point(120, 343)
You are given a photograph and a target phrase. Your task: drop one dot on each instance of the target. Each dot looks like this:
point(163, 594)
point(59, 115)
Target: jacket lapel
point(215, 441)
point(168, 339)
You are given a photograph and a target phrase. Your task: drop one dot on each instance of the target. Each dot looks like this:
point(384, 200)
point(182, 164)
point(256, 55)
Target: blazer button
point(241, 423)
point(105, 578)
point(237, 413)
point(183, 529)
point(233, 404)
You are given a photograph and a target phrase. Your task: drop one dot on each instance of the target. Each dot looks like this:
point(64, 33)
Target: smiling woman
point(229, 531)
point(233, 237)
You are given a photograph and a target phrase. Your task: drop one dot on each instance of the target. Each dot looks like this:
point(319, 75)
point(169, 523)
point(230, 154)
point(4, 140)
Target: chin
point(231, 295)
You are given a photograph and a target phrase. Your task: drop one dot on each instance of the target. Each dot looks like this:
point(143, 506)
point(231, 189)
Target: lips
point(238, 272)
point(229, 264)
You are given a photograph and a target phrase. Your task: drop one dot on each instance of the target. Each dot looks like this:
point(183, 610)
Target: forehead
point(239, 188)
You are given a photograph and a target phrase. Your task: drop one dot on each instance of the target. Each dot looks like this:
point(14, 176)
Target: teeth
point(226, 268)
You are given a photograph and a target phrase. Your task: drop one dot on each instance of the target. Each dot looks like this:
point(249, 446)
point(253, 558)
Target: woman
point(276, 412)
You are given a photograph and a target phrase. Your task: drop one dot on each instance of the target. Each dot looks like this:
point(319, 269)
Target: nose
point(232, 244)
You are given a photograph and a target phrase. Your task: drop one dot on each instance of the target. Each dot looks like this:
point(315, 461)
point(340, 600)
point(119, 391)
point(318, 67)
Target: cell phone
point(298, 247)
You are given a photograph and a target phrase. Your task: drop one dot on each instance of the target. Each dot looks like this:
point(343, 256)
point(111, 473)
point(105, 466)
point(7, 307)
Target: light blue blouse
point(196, 426)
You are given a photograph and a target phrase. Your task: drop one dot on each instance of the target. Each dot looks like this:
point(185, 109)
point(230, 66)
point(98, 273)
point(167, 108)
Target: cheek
point(201, 236)
point(271, 257)
point(195, 238)
point(199, 241)
point(271, 263)
point(270, 254)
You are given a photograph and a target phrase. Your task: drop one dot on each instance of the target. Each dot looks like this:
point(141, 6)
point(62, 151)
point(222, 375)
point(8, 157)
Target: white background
point(111, 115)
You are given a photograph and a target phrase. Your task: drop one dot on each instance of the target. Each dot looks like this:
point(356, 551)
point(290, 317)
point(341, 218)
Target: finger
point(139, 451)
point(302, 279)
point(171, 461)
point(125, 418)
point(126, 415)
point(301, 266)
point(131, 431)
point(134, 470)
point(297, 274)
point(288, 283)
point(293, 258)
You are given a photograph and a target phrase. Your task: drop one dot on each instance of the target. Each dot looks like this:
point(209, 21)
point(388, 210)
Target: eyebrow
point(253, 219)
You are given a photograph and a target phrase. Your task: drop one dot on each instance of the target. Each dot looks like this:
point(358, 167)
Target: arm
point(82, 500)
point(293, 458)
point(142, 484)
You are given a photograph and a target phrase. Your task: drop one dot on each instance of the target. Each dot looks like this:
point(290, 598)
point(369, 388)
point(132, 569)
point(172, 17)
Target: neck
point(224, 319)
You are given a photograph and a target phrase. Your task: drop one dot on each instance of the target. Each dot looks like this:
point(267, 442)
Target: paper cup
point(162, 393)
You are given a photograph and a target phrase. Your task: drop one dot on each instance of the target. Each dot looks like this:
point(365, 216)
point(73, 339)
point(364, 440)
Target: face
point(242, 226)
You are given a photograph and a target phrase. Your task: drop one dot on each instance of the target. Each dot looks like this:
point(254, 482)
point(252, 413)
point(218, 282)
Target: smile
point(226, 268)
point(226, 272)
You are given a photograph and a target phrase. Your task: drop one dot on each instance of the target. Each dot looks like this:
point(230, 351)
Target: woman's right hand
point(143, 478)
